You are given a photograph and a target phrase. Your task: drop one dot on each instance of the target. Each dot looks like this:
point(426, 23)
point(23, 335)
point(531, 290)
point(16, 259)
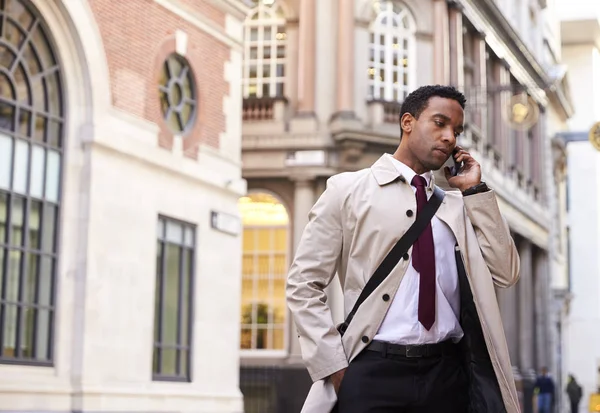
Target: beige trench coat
point(352, 226)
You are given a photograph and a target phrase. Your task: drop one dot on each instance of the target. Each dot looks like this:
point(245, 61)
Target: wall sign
point(227, 223)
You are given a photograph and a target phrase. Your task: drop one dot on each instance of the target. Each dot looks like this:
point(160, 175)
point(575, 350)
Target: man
point(424, 341)
point(575, 393)
point(544, 388)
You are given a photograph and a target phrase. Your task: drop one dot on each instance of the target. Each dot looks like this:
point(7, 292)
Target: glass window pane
point(21, 166)
point(17, 221)
point(40, 128)
point(28, 322)
point(168, 361)
point(30, 283)
point(10, 330)
point(189, 237)
point(54, 134)
point(171, 296)
point(49, 228)
point(185, 306)
point(24, 122)
point(21, 86)
point(12, 281)
point(46, 276)
point(2, 255)
point(157, 291)
point(3, 217)
point(266, 71)
point(52, 175)
point(6, 144)
point(54, 101)
point(42, 338)
point(280, 52)
point(36, 184)
point(174, 232)
point(183, 363)
point(280, 70)
point(43, 48)
point(35, 218)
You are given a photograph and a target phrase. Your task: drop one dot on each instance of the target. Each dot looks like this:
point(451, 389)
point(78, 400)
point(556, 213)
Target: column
point(526, 326)
point(345, 59)
point(306, 62)
point(441, 64)
point(526, 307)
point(480, 96)
point(455, 41)
point(304, 199)
point(508, 302)
point(542, 309)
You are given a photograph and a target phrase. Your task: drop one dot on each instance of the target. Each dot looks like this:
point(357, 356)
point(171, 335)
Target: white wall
point(584, 320)
point(584, 77)
point(116, 181)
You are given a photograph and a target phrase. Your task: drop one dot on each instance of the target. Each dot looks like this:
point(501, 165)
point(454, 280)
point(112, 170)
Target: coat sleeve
point(312, 270)
point(493, 234)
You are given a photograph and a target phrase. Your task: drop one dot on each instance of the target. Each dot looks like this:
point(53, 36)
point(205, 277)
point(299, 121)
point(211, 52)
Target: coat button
point(409, 213)
point(406, 257)
point(365, 339)
point(386, 297)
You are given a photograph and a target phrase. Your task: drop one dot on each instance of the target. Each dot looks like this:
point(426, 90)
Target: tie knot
point(419, 181)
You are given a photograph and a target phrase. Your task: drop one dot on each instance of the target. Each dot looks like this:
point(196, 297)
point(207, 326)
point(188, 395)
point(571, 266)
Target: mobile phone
point(457, 165)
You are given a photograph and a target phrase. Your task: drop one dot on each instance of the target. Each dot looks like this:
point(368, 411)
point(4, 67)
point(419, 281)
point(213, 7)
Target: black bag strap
point(401, 248)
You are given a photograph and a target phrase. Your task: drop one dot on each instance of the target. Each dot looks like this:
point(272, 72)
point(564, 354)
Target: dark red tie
point(423, 260)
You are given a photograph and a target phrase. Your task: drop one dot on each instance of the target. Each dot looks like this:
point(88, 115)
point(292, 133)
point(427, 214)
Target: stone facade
point(118, 178)
point(339, 112)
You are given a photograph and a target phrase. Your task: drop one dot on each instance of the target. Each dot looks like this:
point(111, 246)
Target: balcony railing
point(383, 112)
point(262, 109)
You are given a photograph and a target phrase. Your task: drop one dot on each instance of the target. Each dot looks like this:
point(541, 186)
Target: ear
point(406, 123)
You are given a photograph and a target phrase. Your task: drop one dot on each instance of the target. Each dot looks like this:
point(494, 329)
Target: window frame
point(270, 353)
point(58, 117)
point(272, 22)
point(378, 28)
point(157, 343)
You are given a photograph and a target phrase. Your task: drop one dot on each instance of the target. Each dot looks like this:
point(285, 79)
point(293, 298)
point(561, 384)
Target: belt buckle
point(412, 352)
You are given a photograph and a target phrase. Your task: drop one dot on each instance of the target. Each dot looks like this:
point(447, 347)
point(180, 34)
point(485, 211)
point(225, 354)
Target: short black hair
point(416, 102)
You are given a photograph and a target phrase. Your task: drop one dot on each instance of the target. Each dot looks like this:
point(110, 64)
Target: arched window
point(264, 50)
point(31, 145)
point(264, 271)
point(392, 52)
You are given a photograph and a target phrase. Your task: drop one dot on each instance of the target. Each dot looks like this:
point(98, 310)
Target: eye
point(438, 123)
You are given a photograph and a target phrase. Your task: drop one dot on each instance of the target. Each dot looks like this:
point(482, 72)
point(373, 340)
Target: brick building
point(322, 85)
point(119, 181)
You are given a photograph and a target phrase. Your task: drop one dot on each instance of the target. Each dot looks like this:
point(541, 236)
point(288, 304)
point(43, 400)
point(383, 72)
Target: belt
point(413, 351)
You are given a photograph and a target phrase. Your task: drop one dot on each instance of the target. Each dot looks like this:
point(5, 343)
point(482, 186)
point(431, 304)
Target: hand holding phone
point(457, 165)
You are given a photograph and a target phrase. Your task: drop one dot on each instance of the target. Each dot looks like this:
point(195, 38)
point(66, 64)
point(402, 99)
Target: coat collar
point(385, 172)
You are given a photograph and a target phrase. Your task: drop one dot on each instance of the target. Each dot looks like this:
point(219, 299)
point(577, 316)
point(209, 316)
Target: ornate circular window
point(177, 94)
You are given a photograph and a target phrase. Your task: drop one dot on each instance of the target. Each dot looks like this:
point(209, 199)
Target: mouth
point(444, 151)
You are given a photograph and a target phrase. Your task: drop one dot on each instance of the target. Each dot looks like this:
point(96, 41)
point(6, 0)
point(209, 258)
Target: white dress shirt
point(401, 324)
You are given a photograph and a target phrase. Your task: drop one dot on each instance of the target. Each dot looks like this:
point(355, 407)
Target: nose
point(449, 137)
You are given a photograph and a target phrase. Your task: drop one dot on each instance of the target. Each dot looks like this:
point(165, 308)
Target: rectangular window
point(176, 247)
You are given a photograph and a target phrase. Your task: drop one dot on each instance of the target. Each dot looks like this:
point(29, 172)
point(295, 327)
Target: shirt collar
point(407, 172)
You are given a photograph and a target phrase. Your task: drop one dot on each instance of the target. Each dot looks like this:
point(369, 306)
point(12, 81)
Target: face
point(432, 138)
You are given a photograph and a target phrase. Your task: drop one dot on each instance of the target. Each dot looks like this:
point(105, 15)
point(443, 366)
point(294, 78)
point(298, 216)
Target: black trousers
point(378, 383)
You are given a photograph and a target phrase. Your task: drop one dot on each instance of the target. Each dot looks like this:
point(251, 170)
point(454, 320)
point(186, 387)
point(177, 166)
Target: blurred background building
point(580, 27)
point(322, 95)
point(129, 129)
point(119, 182)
